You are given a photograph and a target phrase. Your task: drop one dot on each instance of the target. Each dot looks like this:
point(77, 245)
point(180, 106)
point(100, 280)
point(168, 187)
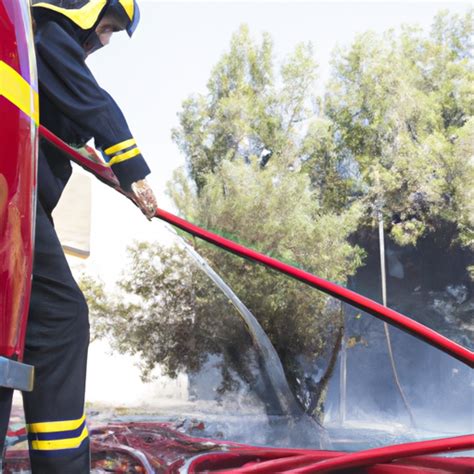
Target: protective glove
point(144, 198)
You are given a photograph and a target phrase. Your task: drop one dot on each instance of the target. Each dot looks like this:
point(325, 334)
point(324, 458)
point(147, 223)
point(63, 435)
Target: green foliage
point(243, 113)
point(322, 162)
point(176, 318)
point(461, 176)
point(168, 312)
point(274, 213)
point(399, 105)
point(279, 216)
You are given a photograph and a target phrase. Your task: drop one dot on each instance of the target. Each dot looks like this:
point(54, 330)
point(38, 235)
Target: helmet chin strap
point(92, 43)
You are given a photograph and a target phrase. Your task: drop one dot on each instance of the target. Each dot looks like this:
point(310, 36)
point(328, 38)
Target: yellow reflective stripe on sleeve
point(53, 426)
point(19, 92)
point(68, 443)
point(124, 156)
point(120, 146)
point(85, 17)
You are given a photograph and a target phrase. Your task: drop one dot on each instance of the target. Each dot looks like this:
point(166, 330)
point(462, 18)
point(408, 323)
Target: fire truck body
point(18, 138)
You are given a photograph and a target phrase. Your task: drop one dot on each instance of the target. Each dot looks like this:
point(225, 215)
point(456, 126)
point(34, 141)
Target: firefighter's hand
point(145, 198)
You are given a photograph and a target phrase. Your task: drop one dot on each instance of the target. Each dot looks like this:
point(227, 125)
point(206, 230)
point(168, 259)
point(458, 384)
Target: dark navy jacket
point(74, 107)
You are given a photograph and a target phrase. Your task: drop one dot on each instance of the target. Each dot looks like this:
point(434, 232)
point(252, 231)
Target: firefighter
point(76, 108)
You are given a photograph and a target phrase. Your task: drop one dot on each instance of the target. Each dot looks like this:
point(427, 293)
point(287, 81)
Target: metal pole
point(343, 382)
point(385, 325)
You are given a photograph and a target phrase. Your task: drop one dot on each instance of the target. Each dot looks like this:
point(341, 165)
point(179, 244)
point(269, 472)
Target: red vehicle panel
point(18, 136)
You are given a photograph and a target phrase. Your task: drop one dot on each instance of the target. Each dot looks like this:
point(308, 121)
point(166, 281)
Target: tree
point(244, 146)
point(244, 115)
point(171, 314)
point(397, 106)
point(179, 308)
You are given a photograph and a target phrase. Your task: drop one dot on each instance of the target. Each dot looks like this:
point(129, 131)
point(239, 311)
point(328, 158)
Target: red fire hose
point(388, 315)
point(265, 461)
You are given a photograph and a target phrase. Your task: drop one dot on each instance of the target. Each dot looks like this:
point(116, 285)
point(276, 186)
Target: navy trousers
point(57, 341)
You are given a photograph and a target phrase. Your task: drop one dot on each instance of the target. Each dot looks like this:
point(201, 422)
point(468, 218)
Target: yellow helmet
point(87, 13)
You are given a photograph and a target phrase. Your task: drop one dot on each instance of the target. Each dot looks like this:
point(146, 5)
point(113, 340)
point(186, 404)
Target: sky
point(171, 56)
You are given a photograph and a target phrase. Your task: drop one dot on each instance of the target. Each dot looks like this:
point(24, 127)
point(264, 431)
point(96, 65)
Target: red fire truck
point(156, 447)
point(18, 136)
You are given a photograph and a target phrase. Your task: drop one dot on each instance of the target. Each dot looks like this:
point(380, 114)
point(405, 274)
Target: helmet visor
point(126, 13)
point(132, 26)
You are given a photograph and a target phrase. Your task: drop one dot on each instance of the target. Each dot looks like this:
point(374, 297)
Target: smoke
point(439, 389)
